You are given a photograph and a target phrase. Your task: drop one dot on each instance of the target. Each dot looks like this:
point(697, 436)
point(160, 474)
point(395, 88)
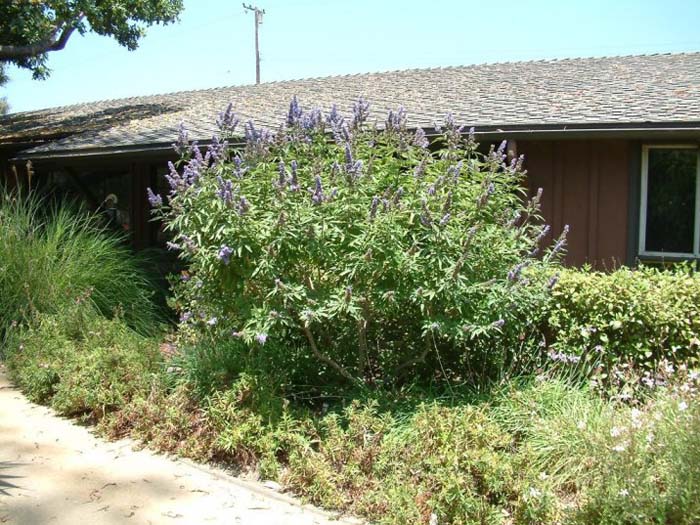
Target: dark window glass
point(671, 200)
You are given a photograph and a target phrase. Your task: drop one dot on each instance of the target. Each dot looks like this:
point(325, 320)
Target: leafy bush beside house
point(371, 253)
point(601, 322)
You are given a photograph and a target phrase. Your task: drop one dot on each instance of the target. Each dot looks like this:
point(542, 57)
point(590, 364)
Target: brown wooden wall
point(586, 185)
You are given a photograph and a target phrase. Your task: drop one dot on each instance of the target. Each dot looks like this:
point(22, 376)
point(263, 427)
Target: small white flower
point(619, 448)
point(433, 519)
point(682, 406)
point(636, 415)
point(624, 493)
point(534, 493)
point(581, 425)
point(650, 438)
point(615, 432)
point(543, 476)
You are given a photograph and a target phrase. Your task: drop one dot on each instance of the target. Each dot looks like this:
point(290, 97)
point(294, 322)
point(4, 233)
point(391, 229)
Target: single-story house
point(613, 141)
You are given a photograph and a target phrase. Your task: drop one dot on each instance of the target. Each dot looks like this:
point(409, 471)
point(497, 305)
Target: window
point(670, 207)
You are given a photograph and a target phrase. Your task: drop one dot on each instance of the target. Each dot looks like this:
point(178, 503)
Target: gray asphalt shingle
point(617, 90)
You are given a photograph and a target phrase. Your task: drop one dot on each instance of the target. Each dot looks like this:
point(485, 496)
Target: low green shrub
point(80, 362)
point(52, 255)
point(536, 451)
point(599, 322)
point(169, 419)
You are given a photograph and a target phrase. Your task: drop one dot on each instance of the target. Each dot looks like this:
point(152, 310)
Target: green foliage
point(52, 257)
point(80, 362)
point(627, 317)
point(372, 253)
point(608, 462)
point(30, 30)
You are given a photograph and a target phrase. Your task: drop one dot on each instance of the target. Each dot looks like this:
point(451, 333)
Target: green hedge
point(639, 317)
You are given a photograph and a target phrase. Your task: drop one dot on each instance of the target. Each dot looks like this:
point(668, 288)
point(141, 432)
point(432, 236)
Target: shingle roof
point(616, 90)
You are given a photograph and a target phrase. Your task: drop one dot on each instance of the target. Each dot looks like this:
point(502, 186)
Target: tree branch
point(362, 336)
point(32, 50)
point(416, 359)
point(322, 357)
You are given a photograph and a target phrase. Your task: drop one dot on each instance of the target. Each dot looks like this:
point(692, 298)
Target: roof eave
point(634, 131)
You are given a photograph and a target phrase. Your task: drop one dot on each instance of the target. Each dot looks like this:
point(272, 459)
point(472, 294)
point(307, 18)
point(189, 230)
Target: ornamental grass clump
point(53, 254)
point(359, 244)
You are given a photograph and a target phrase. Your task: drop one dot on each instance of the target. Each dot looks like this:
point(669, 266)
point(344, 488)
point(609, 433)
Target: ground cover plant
point(538, 450)
point(80, 362)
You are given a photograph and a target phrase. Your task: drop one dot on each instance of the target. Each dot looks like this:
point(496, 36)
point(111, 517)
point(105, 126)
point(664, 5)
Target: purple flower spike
point(516, 272)
point(373, 208)
point(295, 112)
point(317, 196)
point(156, 201)
point(561, 242)
point(239, 170)
point(225, 190)
point(396, 120)
point(294, 181)
point(182, 146)
point(353, 167)
point(243, 205)
point(282, 175)
point(261, 338)
point(420, 140)
point(360, 112)
point(224, 254)
point(217, 149)
point(227, 120)
point(543, 233)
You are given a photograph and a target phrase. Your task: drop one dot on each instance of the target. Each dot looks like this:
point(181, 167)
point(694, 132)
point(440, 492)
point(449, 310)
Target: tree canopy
point(31, 29)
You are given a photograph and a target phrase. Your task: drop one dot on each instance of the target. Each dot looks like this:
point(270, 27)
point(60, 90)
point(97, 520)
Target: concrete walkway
point(55, 472)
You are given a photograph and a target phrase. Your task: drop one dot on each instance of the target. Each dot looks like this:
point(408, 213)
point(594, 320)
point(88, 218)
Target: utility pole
point(258, 20)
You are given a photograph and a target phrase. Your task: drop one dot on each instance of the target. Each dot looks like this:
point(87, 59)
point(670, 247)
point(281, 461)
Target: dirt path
point(55, 472)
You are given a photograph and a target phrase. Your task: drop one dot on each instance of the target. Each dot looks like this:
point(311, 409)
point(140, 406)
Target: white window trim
point(643, 205)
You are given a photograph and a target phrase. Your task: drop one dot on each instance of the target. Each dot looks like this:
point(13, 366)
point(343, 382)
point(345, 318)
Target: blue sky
point(212, 45)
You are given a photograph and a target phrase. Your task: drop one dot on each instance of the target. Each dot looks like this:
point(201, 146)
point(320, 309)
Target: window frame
point(644, 194)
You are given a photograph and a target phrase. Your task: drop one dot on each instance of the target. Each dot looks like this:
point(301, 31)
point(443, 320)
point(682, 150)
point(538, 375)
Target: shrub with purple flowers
point(361, 246)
